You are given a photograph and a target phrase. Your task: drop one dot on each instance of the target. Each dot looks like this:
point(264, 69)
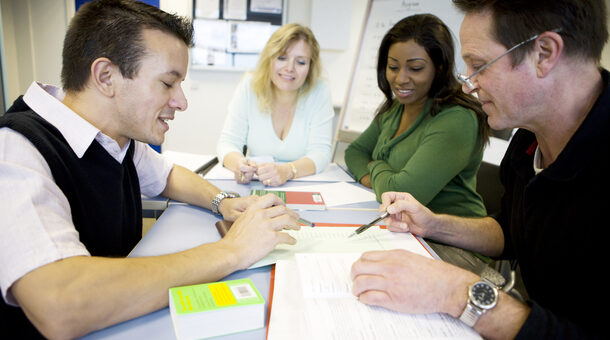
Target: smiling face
point(289, 70)
point(503, 90)
point(409, 72)
point(146, 102)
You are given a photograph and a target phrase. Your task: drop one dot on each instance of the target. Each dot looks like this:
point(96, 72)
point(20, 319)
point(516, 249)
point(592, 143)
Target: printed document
point(335, 240)
point(312, 300)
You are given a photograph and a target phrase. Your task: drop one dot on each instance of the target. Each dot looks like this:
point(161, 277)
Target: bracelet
point(221, 195)
point(294, 170)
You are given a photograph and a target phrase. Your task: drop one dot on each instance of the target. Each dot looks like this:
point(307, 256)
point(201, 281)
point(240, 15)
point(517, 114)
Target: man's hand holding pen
point(406, 214)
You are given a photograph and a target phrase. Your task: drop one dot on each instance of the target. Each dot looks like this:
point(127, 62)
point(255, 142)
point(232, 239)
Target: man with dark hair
point(534, 65)
point(73, 166)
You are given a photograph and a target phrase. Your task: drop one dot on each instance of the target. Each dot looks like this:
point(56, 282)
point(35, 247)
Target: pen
point(305, 222)
point(366, 226)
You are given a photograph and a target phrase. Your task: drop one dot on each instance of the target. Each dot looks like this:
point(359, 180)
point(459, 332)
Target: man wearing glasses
point(534, 65)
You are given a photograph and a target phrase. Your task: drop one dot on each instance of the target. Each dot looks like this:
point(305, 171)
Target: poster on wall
point(266, 6)
point(207, 9)
point(234, 39)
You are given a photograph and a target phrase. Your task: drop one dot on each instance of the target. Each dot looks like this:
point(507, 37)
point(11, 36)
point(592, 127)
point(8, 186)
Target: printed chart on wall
point(364, 96)
point(230, 34)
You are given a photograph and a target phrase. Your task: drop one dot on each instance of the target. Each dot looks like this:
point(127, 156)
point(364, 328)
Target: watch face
point(484, 295)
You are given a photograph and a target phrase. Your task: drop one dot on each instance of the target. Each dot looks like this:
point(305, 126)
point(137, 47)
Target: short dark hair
point(113, 29)
point(583, 23)
point(435, 37)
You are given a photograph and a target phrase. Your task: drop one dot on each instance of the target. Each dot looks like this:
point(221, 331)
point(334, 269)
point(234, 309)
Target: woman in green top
point(427, 138)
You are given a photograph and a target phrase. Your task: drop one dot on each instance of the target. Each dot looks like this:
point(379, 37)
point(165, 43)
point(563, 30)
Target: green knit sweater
point(435, 160)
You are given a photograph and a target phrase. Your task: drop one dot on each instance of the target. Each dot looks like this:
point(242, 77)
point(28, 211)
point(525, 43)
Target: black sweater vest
point(104, 196)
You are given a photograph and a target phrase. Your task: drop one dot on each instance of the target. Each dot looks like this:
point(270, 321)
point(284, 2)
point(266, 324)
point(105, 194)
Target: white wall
point(33, 33)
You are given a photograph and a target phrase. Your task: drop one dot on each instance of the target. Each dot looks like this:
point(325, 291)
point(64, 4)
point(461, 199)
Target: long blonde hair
point(276, 46)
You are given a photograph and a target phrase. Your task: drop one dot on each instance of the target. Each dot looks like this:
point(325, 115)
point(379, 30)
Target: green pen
point(305, 222)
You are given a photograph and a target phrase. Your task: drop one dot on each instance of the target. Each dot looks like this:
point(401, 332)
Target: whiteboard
point(363, 96)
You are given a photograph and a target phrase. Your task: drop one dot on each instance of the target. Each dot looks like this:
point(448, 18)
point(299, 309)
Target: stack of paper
point(312, 300)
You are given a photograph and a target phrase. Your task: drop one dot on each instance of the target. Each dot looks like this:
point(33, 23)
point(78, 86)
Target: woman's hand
point(245, 170)
point(274, 174)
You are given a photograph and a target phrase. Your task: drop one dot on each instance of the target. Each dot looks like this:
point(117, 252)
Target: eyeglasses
point(465, 80)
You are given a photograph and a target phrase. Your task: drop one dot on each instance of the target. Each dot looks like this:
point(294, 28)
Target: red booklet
point(297, 200)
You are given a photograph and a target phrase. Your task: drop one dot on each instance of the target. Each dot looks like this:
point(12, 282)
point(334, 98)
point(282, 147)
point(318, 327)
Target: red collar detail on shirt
point(532, 148)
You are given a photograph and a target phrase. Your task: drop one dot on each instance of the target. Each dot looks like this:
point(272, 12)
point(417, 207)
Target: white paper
point(235, 9)
point(333, 313)
point(284, 323)
point(211, 34)
point(248, 36)
point(245, 61)
point(332, 173)
point(335, 240)
point(494, 152)
point(210, 57)
point(208, 9)
point(190, 161)
point(266, 6)
point(321, 278)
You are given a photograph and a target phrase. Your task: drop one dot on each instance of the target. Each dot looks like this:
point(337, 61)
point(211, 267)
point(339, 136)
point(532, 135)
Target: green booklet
point(213, 309)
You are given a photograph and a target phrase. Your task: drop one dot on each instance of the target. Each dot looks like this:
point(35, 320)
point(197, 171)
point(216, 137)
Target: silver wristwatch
point(482, 296)
point(221, 196)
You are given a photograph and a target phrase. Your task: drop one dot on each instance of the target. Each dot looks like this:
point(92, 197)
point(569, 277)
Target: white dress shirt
point(36, 226)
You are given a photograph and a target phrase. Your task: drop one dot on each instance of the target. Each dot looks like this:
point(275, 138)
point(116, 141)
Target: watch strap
point(219, 197)
point(471, 314)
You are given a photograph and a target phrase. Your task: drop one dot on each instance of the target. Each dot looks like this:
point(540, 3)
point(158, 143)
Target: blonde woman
point(282, 109)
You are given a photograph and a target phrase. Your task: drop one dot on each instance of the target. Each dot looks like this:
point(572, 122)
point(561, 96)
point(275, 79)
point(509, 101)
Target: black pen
point(366, 226)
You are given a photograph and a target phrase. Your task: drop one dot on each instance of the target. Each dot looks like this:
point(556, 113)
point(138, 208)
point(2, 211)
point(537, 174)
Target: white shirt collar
point(537, 161)
point(46, 101)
